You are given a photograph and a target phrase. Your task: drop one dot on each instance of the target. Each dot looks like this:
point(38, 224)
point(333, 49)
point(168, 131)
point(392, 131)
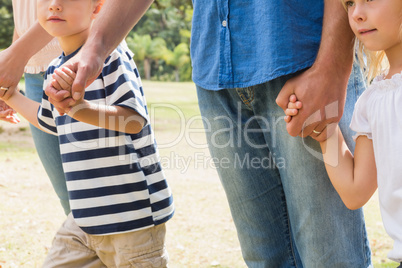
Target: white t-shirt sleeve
point(122, 83)
point(360, 123)
point(45, 114)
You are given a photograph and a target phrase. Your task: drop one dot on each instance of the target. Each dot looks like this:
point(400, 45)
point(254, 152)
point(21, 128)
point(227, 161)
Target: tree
point(146, 49)
point(168, 19)
point(178, 58)
point(6, 23)
point(171, 21)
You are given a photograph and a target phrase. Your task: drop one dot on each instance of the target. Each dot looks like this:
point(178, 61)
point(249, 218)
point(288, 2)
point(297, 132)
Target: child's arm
point(116, 118)
point(25, 107)
point(354, 178)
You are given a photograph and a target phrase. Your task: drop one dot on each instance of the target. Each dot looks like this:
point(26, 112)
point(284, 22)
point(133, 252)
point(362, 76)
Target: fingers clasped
point(60, 89)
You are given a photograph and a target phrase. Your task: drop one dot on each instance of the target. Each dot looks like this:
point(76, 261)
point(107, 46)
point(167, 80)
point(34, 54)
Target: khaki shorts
point(76, 249)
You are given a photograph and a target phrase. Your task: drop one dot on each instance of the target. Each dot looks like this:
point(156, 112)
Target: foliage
point(169, 20)
point(179, 58)
point(6, 23)
point(146, 50)
point(161, 33)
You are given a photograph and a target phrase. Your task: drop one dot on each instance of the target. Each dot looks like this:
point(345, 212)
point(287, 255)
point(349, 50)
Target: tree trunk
point(176, 74)
point(147, 69)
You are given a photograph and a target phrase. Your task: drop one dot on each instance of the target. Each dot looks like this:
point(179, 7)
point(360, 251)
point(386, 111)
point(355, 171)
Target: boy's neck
point(69, 44)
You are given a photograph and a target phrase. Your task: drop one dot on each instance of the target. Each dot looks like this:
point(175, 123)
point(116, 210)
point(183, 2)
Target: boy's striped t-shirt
point(114, 179)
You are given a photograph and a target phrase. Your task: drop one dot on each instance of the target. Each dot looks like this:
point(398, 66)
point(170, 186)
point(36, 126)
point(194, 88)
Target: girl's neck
point(394, 57)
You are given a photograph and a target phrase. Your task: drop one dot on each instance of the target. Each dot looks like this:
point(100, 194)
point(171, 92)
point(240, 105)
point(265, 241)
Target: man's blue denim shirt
point(241, 43)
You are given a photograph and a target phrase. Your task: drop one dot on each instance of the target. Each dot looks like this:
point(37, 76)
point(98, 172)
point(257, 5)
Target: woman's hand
point(11, 68)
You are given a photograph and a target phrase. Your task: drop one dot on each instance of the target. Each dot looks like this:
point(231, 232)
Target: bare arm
point(354, 178)
point(14, 58)
point(109, 117)
point(326, 81)
point(113, 23)
point(25, 107)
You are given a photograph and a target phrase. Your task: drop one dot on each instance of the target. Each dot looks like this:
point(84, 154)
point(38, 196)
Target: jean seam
point(366, 248)
point(247, 100)
point(292, 254)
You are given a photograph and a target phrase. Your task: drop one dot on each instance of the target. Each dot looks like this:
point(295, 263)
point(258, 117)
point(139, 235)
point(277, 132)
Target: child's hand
point(293, 108)
point(7, 114)
point(63, 79)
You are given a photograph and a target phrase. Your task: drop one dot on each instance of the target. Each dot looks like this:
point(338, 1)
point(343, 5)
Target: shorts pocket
point(155, 259)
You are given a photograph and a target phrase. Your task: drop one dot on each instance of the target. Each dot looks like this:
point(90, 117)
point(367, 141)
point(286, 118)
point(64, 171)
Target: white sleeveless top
point(24, 12)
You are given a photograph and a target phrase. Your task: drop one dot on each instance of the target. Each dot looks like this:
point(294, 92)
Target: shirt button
point(224, 23)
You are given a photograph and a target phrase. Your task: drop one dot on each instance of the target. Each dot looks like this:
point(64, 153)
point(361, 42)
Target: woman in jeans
point(31, 52)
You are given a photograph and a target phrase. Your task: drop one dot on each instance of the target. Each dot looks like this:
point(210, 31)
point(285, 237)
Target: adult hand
point(323, 93)
point(87, 65)
point(11, 68)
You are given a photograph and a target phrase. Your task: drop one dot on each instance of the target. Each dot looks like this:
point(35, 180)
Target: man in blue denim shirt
point(245, 53)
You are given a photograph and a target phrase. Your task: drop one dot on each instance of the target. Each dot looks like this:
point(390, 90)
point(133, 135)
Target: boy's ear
point(98, 7)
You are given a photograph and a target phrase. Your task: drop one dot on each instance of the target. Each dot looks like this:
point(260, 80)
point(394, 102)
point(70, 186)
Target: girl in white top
point(377, 119)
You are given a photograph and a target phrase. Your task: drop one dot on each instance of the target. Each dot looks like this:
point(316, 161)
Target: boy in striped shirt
point(118, 194)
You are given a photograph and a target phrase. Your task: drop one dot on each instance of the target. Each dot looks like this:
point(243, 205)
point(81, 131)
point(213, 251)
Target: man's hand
point(323, 95)
point(322, 88)
point(86, 68)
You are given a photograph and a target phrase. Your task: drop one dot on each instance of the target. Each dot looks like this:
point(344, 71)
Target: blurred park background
point(160, 40)
point(202, 233)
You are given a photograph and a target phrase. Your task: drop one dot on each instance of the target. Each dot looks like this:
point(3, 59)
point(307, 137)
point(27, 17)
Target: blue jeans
point(47, 145)
point(286, 212)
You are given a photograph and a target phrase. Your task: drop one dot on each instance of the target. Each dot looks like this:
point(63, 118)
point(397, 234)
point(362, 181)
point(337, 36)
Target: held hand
point(87, 68)
point(60, 85)
point(63, 79)
point(61, 99)
point(323, 96)
point(7, 114)
point(293, 108)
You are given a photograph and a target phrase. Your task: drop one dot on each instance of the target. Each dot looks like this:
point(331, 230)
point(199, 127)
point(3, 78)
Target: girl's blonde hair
point(373, 63)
